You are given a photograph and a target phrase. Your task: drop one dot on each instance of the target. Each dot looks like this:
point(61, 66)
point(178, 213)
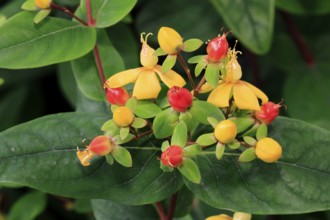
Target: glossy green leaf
point(305, 7)
point(180, 135)
point(28, 207)
point(192, 150)
point(104, 209)
point(164, 123)
point(86, 71)
point(139, 123)
point(192, 45)
point(190, 170)
point(23, 43)
point(248, 155)
point(122, 156)
point(206, 139)
point(67, 83)
point(262, 132)
point(42, 154)
point(82, 206)
point(212, 74)
point(201, 110)
point(108, 12)
point(145, 109)
point(297, 183)
point(251, 21)
point(219, 151)
point(168, 63)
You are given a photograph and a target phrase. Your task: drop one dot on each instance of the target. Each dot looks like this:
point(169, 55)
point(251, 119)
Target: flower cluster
point(161, 105)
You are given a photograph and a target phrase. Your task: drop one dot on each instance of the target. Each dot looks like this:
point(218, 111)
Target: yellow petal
point(169, 40)
point(170, 78)
point(146, 86)
point(257, 92)
point(85, 156)
point(123, 78)
point(220, 95)
point(244, 97)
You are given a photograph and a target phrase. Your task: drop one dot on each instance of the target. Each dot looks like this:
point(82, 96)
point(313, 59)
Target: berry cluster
point(236, 112)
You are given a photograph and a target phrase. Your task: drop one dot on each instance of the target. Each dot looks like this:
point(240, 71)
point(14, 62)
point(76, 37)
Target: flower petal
point(260, 94)
point(146, 86)
point(220, 95)
point(170, 78)
point(122, 78)
point(244, 97)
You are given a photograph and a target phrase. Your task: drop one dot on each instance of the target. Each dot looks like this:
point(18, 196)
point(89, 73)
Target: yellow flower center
point(268, 150)
point(147, 54)
point(123, 116)
point(169, 40)
point(42, 4)
point(225, 131)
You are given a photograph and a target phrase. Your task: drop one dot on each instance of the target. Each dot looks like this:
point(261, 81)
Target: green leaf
point(110, 128)
point(251, 21)
point(109, 12)
point(190, 170)
point(219, 151)
point(123, 133)
point(306, 7)
point(28, 206)
point(2, 81)
point(248, 155)
point(201, 110)
point(250, 140)
point(122, 156)
point(20, 36)
point(164, 123)
point(46, 148)
point(67, 83)
point(145, 109)
point(196, 59)
point(165, 145)
point(86, 71)
point(103, 209)
point(192, 45)
point(168, 63)
point(41, 15)
point(192, 150)
point(139, 123)
point(29, 5)
point(262, 132)
point(160, 52)
point(244, 123)
point(109, 159)
point(214, 122)
point(180, 135)
point(212, 74)
point(206, 139)
point(200, 66)
point(234, 145)
point(297, 183)
point(82, 206)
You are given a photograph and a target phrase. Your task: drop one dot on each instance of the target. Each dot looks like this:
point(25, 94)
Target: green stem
point(143, 148)
point(186, 69)
point(213, 152)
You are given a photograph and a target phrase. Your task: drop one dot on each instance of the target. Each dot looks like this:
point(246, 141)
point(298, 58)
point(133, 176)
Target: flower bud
point(169, 40)
point(268, 112)
point(123, 116)
point(117, 96)
point(100, 145)
point(225, 131)
point(233, 68)
point(42, 4)
point(172, 156)
point(148, 58)
point(217, 48)
point(179, 98)
point(219, 217)
point(268, 150)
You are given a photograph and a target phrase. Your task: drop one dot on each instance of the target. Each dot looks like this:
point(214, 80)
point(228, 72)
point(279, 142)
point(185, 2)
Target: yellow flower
point(42, 4)
point(169, 40)
point(219, 217)
point(245, 95)
point(145, 78)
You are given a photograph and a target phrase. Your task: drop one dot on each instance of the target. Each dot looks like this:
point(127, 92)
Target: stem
point(142, 135)
point(91, 21)
point(143, 148)
point(67, 11)
point(172, 207)
point(186, 69)
point(199, 86)
point(98, 62)
point(213, 152)
point(298, 39)
point(244, 144)
point(160, 210)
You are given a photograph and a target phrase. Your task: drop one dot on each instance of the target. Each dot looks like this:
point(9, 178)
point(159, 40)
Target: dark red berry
point(117, 96)
point(179, 98)
point(172, 156)
point(268, 112)
point(217, 48)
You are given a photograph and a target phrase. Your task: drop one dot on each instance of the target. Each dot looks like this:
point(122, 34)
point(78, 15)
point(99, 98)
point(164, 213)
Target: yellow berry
point(123, 116)
point(42, 4)
point(169, 40)
point(225, 131)
point(219, 217)
point(242, 216)
point(268, 150)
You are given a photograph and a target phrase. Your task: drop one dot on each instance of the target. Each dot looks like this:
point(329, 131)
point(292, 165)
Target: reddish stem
point(298, 39)
point(160, 210)
point(91, 21)
point(67, 11)
point(186, 69)
point(98, 62)
point(172, 207)
point(199, 86)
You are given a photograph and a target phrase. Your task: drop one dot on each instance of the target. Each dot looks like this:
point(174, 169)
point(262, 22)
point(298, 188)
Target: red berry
point(217, 48)
point(172, 156)
point(117, 96)
point(179, 98)
point(268, 112)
